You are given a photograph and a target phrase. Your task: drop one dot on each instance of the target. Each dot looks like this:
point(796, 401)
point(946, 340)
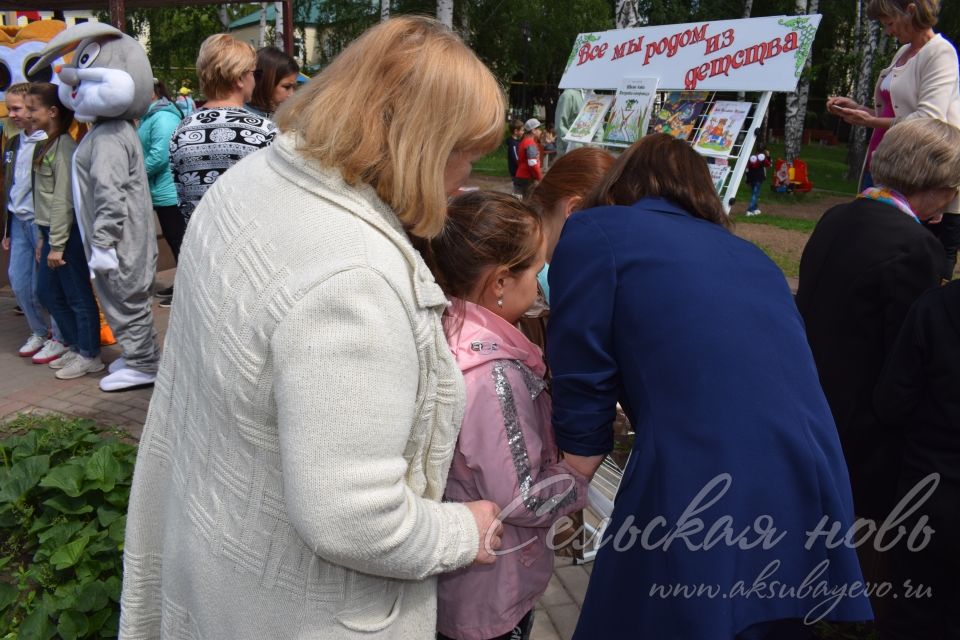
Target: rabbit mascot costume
point(109, 83)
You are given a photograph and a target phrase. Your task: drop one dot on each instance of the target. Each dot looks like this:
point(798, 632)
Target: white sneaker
point(63, 360)
point(80, 365)
point(51, 351)
point(126, 378)
point(756, 212)
point(117, 364)
point(33, 345)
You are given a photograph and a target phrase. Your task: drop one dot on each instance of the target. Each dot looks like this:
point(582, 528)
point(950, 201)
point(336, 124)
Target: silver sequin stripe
point(518, 447)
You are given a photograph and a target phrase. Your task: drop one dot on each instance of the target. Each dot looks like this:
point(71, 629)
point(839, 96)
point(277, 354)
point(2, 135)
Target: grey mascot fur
point(109, 83)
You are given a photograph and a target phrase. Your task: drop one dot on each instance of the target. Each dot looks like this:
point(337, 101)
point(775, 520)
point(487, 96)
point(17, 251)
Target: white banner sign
point(756, 54)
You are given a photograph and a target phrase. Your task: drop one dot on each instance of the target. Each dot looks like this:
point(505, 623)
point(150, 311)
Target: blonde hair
point(924, 18)
point(918, 155)
point(222, 61)
point(390, 110)
point(19, 89)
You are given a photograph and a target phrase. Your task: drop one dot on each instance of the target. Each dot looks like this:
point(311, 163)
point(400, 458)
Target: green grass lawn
point(494, 163)
point(826, 165)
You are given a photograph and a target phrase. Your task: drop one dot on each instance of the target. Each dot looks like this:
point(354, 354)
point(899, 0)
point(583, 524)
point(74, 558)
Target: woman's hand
point(55, 259)
point(834, 102)
point(857, 117)
point(485, 515)
point(6, 243)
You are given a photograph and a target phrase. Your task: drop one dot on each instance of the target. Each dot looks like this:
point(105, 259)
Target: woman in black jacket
point(918, 397)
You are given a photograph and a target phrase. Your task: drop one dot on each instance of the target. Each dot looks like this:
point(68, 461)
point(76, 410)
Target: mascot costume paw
point(109, 83)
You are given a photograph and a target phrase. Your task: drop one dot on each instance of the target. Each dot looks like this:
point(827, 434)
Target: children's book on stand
point(590, 118)
point(679, 112)
point(721, 126)
point(630, 114)
point(719, 170)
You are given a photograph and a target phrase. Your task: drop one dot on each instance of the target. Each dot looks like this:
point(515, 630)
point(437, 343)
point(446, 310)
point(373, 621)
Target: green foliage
point(63, 497)
point(174, 38)
point(495, 31)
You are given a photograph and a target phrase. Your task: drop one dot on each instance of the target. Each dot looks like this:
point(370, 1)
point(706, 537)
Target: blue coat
point(695, 333)
point(155, 130)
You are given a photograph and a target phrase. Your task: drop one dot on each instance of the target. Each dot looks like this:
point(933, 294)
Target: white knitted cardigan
point(289, 478)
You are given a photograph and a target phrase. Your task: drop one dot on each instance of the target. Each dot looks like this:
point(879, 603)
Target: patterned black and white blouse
point(207, 143)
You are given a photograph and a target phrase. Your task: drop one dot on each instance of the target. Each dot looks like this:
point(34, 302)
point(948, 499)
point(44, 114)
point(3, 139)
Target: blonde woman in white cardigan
point(291, 470)
point(921, 82)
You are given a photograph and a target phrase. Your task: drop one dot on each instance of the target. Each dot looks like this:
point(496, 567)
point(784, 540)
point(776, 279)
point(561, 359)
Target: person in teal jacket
point(156, 129)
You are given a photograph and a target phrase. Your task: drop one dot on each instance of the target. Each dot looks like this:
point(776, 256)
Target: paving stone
point(564, 618)
point(555, 594)
point(574, 579)
point(543, 628)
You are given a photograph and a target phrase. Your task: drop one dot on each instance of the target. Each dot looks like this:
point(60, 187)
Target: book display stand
point(727, 165)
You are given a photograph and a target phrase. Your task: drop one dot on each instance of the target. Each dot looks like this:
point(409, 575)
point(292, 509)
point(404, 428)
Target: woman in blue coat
point(155, 130)
point(736, 475)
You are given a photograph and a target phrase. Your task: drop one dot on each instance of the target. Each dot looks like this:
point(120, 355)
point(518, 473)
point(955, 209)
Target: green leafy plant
point(64, 486)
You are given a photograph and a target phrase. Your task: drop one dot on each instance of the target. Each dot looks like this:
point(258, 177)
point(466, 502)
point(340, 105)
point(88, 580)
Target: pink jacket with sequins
point(505, 453)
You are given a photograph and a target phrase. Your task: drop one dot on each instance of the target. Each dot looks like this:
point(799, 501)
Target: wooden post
point(117, 17)
point(288, 27)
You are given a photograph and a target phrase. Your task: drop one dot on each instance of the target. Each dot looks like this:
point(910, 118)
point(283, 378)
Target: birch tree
point(796, 107)
point(628, 14)
point(445, 12)
point(384, 10)
point(278, 29)
point(859, 136)
point(263, 25)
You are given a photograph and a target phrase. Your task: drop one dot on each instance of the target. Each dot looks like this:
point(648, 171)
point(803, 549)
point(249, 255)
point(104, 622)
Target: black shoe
point(164, 293)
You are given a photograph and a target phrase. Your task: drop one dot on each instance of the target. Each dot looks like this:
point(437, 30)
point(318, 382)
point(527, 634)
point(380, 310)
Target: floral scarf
point(891, 197)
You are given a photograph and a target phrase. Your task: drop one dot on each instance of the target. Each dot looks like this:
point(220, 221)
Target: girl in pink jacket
point(486, 260)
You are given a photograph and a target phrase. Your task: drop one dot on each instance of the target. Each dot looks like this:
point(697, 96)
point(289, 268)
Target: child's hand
point(485, 515)
point(6, 244)
point(55, 259)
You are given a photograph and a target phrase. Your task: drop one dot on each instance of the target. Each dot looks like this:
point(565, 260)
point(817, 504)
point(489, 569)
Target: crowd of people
point(380, 393)
point(184, 150)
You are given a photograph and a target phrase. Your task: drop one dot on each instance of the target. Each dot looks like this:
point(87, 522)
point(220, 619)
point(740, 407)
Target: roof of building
point(254, 17)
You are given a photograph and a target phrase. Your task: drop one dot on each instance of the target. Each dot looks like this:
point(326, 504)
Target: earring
point(500, 302)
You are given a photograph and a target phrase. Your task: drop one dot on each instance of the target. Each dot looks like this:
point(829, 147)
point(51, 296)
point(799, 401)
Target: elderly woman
point(694, 332)
point(290, 474)
point(222, 132)
point(276, 77)
point(921, 82)
point(865, 264)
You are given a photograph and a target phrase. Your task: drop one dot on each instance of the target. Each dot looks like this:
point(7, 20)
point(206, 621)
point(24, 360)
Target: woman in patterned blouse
point(221, 132)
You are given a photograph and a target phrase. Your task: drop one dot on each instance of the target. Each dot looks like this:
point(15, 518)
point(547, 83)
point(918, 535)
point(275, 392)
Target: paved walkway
point(29, 388)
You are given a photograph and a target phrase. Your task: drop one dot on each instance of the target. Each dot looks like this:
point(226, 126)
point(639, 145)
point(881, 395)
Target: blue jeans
point(23, 273)
point(67, 293)
point(754, 195)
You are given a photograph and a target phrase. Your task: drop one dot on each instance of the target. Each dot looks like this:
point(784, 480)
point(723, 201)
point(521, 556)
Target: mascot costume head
point(108, 82)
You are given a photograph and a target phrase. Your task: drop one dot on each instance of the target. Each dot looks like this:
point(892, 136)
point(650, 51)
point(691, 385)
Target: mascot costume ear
point(109, 82)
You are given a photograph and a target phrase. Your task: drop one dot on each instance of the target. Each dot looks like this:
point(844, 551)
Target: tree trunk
point(445, 12)
point(278, 29)
point(859, 136)
point(796, 111)
point(263, 25)
point(628, 14)
point(224, 16)
point(384, 10)
point(747, 10)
